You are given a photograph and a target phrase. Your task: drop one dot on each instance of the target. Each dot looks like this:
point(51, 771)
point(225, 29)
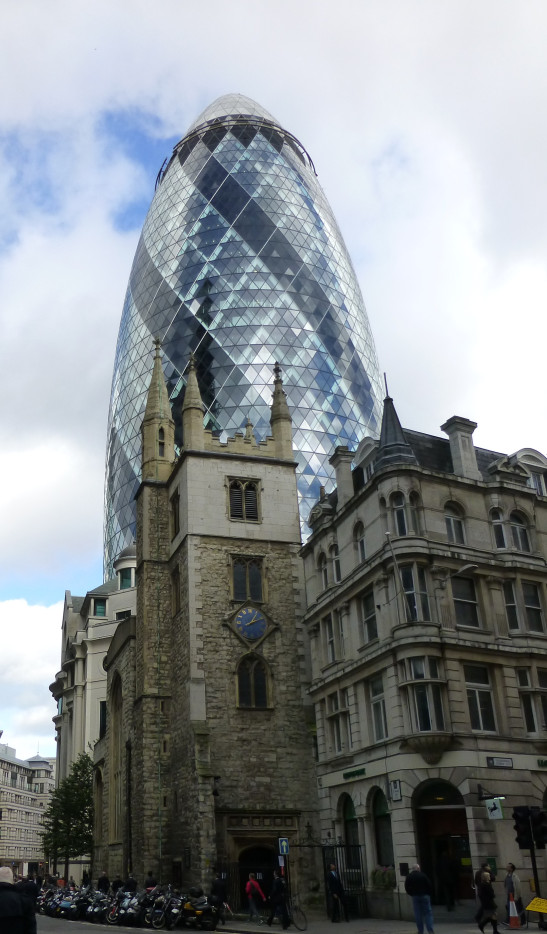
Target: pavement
point(445, 923)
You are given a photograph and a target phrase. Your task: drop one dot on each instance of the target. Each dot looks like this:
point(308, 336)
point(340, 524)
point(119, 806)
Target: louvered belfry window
point(244, 500)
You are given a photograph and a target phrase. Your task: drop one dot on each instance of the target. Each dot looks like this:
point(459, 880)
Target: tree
point(68, 820)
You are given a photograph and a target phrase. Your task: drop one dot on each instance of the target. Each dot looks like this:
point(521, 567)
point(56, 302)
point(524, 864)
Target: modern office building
point(25, 786)
point(241, 262)
point(426, 583)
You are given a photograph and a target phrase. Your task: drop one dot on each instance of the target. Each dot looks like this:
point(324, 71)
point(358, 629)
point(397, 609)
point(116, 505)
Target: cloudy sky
point(426, 122)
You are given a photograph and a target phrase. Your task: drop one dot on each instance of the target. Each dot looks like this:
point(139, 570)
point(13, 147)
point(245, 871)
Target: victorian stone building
point(207, 760)
point(79, 688)
point(426, 580)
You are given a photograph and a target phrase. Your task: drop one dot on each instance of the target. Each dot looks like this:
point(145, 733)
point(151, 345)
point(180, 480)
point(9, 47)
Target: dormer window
point(537, 481)
point(125, 577)
point(99, 606)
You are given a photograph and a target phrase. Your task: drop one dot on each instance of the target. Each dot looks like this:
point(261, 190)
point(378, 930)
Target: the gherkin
point(241, 262)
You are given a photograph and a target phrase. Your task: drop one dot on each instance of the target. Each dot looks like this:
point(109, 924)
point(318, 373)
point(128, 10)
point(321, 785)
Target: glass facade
point(240, 260)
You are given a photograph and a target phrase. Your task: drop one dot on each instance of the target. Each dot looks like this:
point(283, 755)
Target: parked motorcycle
point(44, 899)
point(157, 915)
point(193, 910)
point(148, 899)
point(79, 902)
point(130, 911)
point(98, 907)
point(113, 911)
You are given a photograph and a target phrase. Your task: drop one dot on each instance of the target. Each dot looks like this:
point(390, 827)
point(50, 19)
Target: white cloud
point(31, 654)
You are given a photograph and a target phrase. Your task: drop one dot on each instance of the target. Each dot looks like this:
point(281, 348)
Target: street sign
point(284, 846)
point(538, 904)
point(494, 809)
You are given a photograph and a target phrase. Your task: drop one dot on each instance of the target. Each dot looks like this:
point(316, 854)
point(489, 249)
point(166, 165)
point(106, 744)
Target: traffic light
point(538, 819)
point(523, 829)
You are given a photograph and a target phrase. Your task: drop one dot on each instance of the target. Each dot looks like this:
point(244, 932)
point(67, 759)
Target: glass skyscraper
point(241, 261)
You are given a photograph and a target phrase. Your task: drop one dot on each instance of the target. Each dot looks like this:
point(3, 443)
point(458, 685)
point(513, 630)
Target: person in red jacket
point(253, 892)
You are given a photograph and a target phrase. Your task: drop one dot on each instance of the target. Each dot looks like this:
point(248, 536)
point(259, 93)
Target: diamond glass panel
point(241, 261)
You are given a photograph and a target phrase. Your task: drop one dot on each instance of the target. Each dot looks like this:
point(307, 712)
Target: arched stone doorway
point(261, 860)
point(442, 838)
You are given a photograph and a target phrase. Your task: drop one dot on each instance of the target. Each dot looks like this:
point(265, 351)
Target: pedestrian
point(512, 887)
point(418, 886)
point(253, 892)
point(150, 881)
point(130, 885)
point(103, 883)
point(117, 883)
point(219, 896)
point(485, 867)
point(448, 877)
point(487, 904)
point(337, 894)
point(278, 900)
point(17, 913)
point(28, 887)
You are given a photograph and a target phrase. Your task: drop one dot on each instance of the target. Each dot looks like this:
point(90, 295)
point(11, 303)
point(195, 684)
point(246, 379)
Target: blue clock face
point(250, 623)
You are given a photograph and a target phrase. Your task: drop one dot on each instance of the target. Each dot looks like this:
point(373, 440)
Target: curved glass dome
point(241, 262)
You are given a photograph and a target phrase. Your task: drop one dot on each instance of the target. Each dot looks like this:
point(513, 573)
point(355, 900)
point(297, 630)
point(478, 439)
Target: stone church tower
point(209, 754)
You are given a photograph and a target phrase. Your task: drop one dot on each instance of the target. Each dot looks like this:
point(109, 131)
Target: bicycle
point(296, 915)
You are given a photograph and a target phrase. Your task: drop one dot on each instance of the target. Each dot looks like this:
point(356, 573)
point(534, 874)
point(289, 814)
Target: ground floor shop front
point(438, 817)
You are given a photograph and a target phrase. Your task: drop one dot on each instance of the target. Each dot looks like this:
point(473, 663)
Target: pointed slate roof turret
point(158, 427)
point(192, 411)
point(393, 447)
point(280, 418)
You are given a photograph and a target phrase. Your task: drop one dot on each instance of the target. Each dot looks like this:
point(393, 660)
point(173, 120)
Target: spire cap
point(393, 447)
point(157, 401)
point(192, 395)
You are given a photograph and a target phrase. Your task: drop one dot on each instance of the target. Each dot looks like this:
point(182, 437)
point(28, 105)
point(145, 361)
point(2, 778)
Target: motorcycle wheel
point(112, 916)
point(158, 923)
point(209, 925)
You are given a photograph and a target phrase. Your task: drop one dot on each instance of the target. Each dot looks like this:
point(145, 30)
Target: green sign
point(354, 774)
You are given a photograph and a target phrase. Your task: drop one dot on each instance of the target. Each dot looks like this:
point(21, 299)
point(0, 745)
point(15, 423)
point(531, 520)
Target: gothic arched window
point(244, 500)
point(252, 682)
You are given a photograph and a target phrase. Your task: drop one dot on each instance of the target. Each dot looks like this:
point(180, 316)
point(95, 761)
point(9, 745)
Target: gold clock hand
point(251, 621)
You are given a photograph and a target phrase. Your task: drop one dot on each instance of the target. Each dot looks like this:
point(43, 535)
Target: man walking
point(337, 894)
point(418, 886)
